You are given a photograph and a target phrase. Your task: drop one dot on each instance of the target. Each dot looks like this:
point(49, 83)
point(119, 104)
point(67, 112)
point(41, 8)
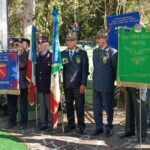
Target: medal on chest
point(78, 60)
point(65, 60)
point(105, 58)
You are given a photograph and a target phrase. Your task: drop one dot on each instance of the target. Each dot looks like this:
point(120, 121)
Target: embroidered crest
point(48, 55)
point(65, 60)
point(78, 60)
point(105, 59)
point(107, 49)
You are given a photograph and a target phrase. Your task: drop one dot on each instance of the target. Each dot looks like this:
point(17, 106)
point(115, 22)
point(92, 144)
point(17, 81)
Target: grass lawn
point(8, 142)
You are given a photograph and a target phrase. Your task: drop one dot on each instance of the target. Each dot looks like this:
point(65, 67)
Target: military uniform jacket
point(75, 70)
point(105, 66)
point(23, 59)
point(43, 72)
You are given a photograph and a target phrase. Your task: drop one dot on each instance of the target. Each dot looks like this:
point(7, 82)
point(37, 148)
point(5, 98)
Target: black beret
point(26, 40)
point(43, 39)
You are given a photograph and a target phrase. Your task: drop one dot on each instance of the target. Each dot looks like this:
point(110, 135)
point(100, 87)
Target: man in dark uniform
point(25, 44)
point(75, 73)
point(105, 64)
point(43, 81)
point(132, 113)
point(23, 86)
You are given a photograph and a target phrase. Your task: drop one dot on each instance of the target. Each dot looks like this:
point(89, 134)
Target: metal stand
point(61, 101)
point(140, 99)
point(36, 113)
point(62, 113)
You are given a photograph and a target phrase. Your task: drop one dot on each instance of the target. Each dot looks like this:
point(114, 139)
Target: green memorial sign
point(134, 58)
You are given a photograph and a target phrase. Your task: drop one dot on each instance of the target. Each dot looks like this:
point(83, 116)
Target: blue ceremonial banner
point(9, 73)
point(33, 46)
point(56, 44)
point(124, 20)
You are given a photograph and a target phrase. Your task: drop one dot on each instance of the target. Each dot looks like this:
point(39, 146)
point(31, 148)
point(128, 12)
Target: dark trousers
point(12, 101)
point(71, 95)
point(46, 116)
point(24, 106)
point(103, 100)
point(132, 112)
point(12, 108)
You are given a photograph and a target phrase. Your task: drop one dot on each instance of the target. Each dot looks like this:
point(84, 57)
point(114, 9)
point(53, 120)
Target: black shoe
point(149, 123)
point(11, 125)
point(69, 129)
point(42, 128)
point(98, 132)
point(49, 129)
point(22, 127)
point(125, 135)
point(109, 132)
point(142, 139)
point(81, 131)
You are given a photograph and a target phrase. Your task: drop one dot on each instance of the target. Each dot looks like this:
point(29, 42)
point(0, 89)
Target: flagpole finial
point(55, 10)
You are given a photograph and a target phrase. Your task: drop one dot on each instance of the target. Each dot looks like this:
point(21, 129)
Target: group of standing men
point(75, 73)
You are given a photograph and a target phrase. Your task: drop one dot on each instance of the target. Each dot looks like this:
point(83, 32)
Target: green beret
point(102, 33)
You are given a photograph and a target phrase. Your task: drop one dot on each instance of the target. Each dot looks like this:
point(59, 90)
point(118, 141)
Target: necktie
point(71, 54)
point(42, 54)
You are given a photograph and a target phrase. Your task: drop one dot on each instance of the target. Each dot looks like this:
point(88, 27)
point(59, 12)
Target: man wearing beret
point(75, 73)
point(25, 44)
point(43, 81)
point(133, 96)
point(10, 43)
point(23, 86)
point(105, 64)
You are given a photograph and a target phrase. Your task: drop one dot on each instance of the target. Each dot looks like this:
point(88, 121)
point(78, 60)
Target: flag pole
point(140, 97)
point(36, 111)
point(61, 104)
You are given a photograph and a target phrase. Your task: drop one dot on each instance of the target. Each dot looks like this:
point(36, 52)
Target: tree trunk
point(3, 25)
point(28, 14)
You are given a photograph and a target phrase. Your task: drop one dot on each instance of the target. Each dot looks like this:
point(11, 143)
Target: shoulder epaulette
point(66, 50)
point(113, 50)
point(78, 49)
point(107, 49)
point(97, 48)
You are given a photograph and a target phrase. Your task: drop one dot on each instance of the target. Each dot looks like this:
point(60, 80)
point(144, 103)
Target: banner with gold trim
point(9, 73)
point(134, 58)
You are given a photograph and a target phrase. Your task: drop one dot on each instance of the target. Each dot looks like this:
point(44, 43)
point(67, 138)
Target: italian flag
point(30, 75)
point(55, 70)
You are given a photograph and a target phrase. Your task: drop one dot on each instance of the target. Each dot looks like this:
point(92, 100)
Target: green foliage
point(14, 18)
point(91, 15)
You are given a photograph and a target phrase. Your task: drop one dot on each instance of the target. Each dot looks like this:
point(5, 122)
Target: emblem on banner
point(3, 71)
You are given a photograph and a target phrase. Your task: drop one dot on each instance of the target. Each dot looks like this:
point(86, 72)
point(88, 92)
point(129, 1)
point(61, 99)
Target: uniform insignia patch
point(105, 59)
point(48, 55)
point(107, 49)
point(78, 60)
point(65, 60)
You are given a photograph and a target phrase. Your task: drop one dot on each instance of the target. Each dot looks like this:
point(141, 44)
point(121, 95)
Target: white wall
point(3, 25)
